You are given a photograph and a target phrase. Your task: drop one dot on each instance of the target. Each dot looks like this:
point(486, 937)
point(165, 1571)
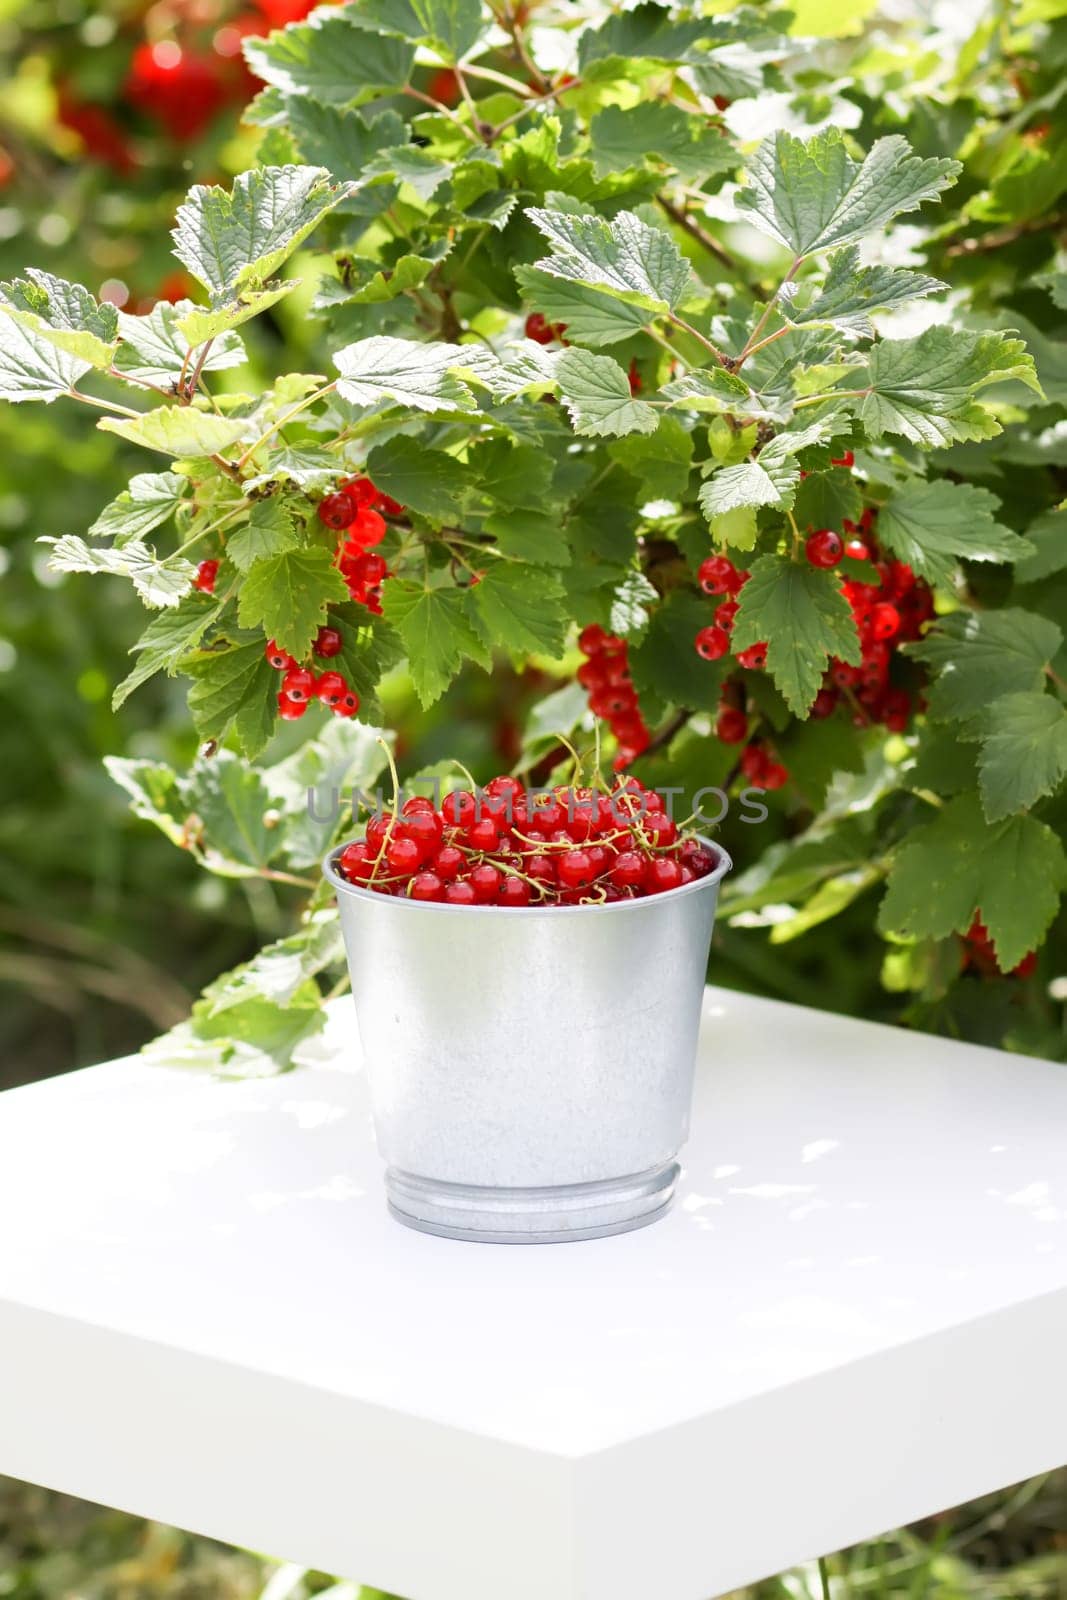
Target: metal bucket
point(530, 1070)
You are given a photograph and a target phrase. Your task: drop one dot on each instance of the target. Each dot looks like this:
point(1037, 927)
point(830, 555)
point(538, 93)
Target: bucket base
point(554, 1215)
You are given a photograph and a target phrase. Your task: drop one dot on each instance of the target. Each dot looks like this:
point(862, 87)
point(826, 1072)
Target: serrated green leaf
point(827, 499)
point(330, 58)
point(270, 530)
point(437, 632)
point(1048, 540)
point(31, 368)
point(810, 195)
point(280, 970)
point(342, 141)
point(924, 389)
point(370, 646)
point(801, 614)
point(850, 293)
point(159, 582)
point(303, 468)
point(169, 636)
point(932, 525)
point(596, 394)
point(625, 256)
point(373, 285)
point(236, 241)
point(533, 536)
point(287, 595)
point(626, 137)
point(234, 692)
point(513, 474)
point(629, 614)
point(407, 372)
point(980, 655)
point(200, 324)
point(1024, 752)
point(64, 314)
point(430, 482)
point(151, 499)
point(709, 389)
point(450, 26)
point(664, 664)
point(591, 316)
point(959, 866)
point(770, 481)
point(314, 786)
point(521, 609)
point(409, 164)
point(154, 349)
point(178, 430)
point(661, 464)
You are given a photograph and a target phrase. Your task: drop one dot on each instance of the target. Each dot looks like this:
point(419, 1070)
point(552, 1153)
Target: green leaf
point(450, 26)
point(169, 636)
point(521, 609)
point(287, 595)
point(512, 474)
point(330, 58)
point(924, 389)
point(770, 481)
point(850, 293)
point(154, 349)
point(430, 482)
point(279, 971)
point(804, 618)
point(534, 536)
point(269, 531)
point(665, 665)
point(151, 499)
point(932, 525)
point(303, 468)
point(64, 314)
point(437, 632)
point(375, 285)
point(591, 316)
point(406, 371)
point(342, 141)
point(981, 655)
point(710, 389)
point(959, 866)
point(159, 582)
point(629, 614)
point(199, 325)
point(624, 256)
point(234, 692)
point(1024, 752)
point(596, 393)
point(232, 242)
point(622, 138)
point(661, 464)
point(409, 164)
point(826, 499)
point(369, 648)
point(230, 800)
point(810, 195)
point(343, 757)
point(1047, 538)
point(32, 368)
point(178, 430)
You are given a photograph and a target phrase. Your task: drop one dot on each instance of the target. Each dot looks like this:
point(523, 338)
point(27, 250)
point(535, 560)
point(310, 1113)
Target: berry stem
point(294, 411)
point(103, 405)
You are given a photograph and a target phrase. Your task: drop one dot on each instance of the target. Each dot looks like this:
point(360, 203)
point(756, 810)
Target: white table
point(855, 1314)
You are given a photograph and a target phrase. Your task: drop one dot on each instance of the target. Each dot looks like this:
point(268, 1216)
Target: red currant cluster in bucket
point(301, 685)
point(356, 509)
point(605, 676)
point(505, 845)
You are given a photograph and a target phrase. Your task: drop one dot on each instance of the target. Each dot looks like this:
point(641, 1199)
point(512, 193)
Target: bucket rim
point(712, 880)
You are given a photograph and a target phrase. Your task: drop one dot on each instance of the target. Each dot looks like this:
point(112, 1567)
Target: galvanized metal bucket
point(530, 1070)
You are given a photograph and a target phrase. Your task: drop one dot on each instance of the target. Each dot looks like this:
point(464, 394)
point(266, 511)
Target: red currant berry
point(402, 855)
point(629, 870)
point(753, 763)
point(514, 892)
point(485, 880)
point(712, 643)
point(279, 659)
point(357, 862)
point(659, 829)
point(824, 549)
point(731, 725)
point(538, 328)
point(716, 575)
point(699, 860)
point(856, 550)
point(379, 830)
point(367, 527)
point(425, 828)
point(426, 886)
point(663, 873)
point(298, 684)
point(416, 802)
point(459, 808)
point(1026, 967)
point(331, 688)
point(206, 573)
point(388, 506)
point(541, 868)
point(575, 870)
point(884, 621)
point(366, 569)
point(847, 460)
point(459, 893)
point(449, 862)
point(291, 710)
point(774, 775)
point(592, 639)
point(483, 834)
point(613, 701)
point(337, 510)
point(725, 614)
point(593, 675)
point(327, 643)
point(361, 492)
point(754, 658)
point(348, 704)
point(823, 704)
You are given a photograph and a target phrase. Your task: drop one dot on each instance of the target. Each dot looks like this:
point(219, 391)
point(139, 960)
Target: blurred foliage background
point(109, 112)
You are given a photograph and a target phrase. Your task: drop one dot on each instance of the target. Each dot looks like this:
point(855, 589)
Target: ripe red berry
point(357, 862)
point(591, 640)
point(514, 892)
point(459, 808)
point(612, 701)
point(538, 328)
point(484, 834)
point(884, 621)
point(629, 869)
point(327, 643)
point(348, 704)
point(366, 569)
point(659, 829)
point(402, 855)
point(754, 658)
point(856, 550)
point(712, 643)
point(574, 869)
point(337, 510)
point(485, 880)
point(824, 549)
point(331, 688)
point(774, 775)
point(449, 862)
point(716, 575)
point(696, 857)
point(725, 614)
point(459, 893)
point(823, 704)
point(731, 725)
point(388, 506)
point(298, 684)
point(291, 710)
point(663, 873)
point(279, 659)
point(426, 886)
point(847, 460)
point(367, 527)
point(425, 828)
point(206, 573)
